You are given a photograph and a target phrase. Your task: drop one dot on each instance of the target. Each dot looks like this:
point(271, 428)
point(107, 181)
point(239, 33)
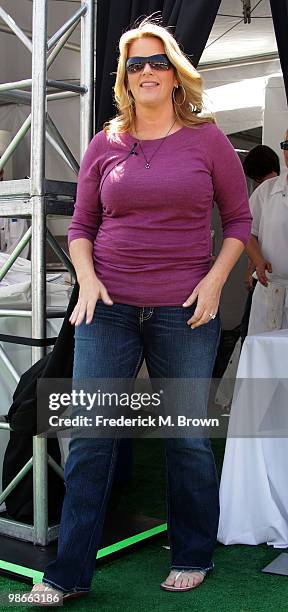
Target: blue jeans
point(114, 346)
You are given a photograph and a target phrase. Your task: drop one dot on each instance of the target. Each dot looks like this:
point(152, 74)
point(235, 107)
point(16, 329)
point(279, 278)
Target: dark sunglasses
point(156, 62)
point(284, 145)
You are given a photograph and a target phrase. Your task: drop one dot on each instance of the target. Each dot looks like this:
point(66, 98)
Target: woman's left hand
point(207, 293)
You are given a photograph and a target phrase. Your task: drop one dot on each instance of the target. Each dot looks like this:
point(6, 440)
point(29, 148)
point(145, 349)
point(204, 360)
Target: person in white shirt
point(259, 165)
point(268, 249)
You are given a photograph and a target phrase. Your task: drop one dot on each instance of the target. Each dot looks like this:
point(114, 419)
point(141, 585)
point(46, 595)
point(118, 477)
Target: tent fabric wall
point(279, 9)
point(191, 23)
point(275, 119)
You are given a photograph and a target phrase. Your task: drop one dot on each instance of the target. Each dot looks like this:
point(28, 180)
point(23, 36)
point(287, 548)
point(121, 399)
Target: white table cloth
point(254, 482)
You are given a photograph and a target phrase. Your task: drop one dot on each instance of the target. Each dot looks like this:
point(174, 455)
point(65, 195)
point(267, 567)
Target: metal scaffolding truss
point(36, 198)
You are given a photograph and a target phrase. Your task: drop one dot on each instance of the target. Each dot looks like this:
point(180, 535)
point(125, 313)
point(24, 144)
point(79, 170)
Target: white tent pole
point(34, 190)
point(15, 29)
point(38, 259)
point(28, 82)
point(73, 20)
point(25, 83)
point(59, 141)
point(87, 76)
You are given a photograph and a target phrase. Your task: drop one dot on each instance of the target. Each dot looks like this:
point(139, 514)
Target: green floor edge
point(103, 552)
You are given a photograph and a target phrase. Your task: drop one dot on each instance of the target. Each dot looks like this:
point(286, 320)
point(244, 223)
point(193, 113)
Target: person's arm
point(261, 264)
point(248, 279)
point(82, 231)
point(230, 193)
point(208, 291)
point(253, 248)
point(90, 287)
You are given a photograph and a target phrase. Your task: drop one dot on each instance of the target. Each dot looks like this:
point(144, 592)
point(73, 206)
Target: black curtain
point(191, 22)
point(279, 9)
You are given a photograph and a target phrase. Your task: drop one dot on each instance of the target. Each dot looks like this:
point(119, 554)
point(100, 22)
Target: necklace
point(148, 161)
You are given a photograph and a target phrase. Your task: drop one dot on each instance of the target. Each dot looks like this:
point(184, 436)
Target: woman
point(141, 245)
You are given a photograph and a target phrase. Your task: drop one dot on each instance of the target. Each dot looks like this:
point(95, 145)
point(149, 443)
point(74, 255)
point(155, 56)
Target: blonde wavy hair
point(187, 99)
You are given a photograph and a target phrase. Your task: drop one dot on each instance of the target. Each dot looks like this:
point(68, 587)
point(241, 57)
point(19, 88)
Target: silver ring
point(212, 316)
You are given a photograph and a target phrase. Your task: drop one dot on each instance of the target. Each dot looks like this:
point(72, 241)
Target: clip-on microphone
point(133, 152)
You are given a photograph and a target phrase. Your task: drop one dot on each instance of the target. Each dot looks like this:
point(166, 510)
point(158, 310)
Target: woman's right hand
point(91, 290)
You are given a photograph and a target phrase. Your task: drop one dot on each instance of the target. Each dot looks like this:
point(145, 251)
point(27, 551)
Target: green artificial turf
point(131, 584)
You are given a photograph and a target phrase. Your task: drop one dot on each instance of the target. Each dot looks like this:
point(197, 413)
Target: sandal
point(178, 573)
point(44, 595)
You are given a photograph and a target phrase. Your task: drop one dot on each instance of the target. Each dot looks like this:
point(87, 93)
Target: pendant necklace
point(148, 161)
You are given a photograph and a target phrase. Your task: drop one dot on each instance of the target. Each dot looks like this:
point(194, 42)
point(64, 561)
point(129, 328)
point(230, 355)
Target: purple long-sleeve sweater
point(150, 228)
